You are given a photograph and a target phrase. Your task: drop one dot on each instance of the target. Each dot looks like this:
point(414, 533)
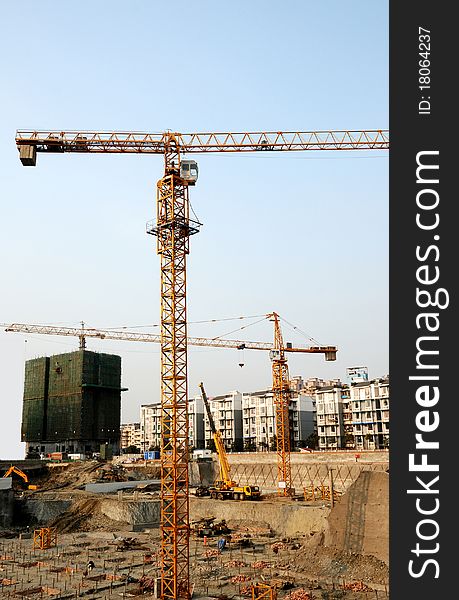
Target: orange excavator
point(14, 469)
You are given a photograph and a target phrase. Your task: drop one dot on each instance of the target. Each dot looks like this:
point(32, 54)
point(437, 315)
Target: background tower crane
point(280, 375)
point(173, 229)
point(134, 336)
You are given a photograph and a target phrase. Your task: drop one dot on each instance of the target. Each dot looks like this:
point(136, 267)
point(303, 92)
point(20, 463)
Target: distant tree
point(273, 443)
point(349, 441)
point(32, 455)
point(211, 445)
point(312, 441)
point(131, 450)
point(154, 448)
point(250, 446)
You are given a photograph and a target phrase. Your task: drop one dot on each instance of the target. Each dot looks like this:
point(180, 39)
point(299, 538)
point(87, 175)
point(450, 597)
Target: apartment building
point(369, 401)
point(226, 411)
point(308, 386)
point(259, 419)
point(196, 422)
point(150, 424)
point(330, 422)
point(130, 435)
point(303, 418)
point(355, 415)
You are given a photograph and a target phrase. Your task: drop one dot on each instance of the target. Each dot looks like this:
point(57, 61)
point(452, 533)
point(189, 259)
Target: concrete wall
point(203, 472)
point(284, 519)
point(6, 508)
point(44, 511)
point(39, 511)
point(141, 512)
point(359, 522)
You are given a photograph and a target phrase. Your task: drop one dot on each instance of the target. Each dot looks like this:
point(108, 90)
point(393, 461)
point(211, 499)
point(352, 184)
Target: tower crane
point(282, 395)
point(173, 228)
point(280, 374)
point(132, 336)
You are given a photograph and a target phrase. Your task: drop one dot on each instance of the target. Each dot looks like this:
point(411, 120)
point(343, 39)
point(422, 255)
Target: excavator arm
point(18, 471)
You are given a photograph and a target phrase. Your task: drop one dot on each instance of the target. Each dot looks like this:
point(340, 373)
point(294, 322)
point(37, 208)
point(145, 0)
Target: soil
point(295, 563)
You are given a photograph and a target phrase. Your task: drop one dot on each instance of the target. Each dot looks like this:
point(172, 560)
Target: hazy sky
point(302, 234)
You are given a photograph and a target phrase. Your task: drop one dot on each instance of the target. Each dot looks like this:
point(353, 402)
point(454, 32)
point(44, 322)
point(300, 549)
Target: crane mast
point(173, 229)
point(282, 395)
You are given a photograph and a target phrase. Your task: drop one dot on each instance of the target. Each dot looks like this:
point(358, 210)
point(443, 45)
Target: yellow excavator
point(224, 487)
point(17, 470)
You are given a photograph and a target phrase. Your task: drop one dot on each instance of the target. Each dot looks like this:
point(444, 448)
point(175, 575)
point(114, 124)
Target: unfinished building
point(72, 403)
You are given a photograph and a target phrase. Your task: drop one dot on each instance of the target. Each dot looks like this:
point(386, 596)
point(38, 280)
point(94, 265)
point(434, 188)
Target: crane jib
point(31, 142)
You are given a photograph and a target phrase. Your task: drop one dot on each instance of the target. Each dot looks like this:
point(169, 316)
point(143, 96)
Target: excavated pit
point(329, 552)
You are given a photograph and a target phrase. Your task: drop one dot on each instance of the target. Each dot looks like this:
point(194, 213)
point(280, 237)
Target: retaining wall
point(6, 508)
point(359, 522)
point(284, 519)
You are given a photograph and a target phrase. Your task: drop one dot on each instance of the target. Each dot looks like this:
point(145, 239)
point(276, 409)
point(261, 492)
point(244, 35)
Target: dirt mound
point(84, 515)
point(329, 563)
point(72, 476)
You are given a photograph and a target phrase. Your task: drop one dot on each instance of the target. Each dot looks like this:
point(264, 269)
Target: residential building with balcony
point(150, 424)
point(355, 415)
point(369, 402)
point(130, 435)
point(259, 419)
point(330, 420)
point(226, 411)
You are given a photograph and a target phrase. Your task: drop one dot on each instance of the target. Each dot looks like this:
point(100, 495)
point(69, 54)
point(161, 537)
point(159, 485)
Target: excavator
point(17, 470)
point(224, 487)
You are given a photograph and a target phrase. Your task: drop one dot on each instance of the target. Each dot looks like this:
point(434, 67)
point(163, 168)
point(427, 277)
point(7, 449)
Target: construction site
point(327, 540)
point(280, 524)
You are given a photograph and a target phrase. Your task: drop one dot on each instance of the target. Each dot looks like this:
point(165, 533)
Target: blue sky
point(304, 234)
